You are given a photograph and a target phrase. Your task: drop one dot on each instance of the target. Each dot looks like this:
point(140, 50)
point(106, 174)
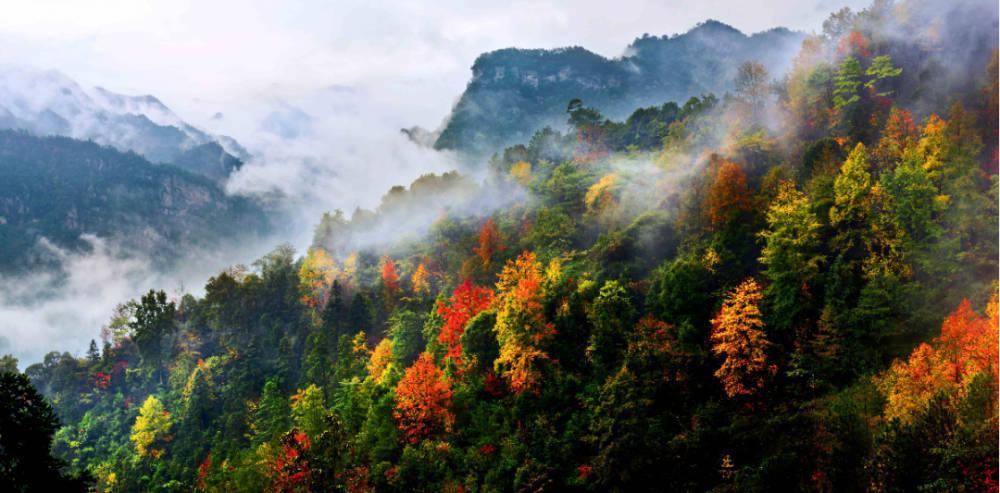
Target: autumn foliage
point(380, 359)
point(423, 401)
point(315, 276)
point(728, 195)
point(490, 243)
point(390, 277)
point(738, 339)
point(421, 280)
point(966, 348)
point(289, 468)
point(466, 302)
point(521, 326)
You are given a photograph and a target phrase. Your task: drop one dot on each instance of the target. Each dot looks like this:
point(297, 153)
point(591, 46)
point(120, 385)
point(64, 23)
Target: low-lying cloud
point(63, 310)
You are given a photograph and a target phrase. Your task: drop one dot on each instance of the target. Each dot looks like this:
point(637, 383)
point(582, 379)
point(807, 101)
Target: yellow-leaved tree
point(421, 280)
point(316, 274)
point(151, 430)
point(738, 338)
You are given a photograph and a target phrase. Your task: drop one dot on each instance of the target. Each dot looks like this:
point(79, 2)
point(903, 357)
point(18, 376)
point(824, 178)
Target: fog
point(335, 148)
point(318, 100)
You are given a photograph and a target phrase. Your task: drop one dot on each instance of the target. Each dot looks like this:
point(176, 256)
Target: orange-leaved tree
point(466, 302)
point(738, 338)
point(490, 243)
point(728, 195)
point(967, 347)
point(423, 401)
point(390, 277)
point(521, 328)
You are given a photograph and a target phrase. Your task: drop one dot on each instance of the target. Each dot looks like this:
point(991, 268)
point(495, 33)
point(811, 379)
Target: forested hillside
point(791, 286)
point(59, 189)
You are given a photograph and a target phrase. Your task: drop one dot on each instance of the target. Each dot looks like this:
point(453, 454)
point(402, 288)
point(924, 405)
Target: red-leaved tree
point(466, 302)
point(423, 401)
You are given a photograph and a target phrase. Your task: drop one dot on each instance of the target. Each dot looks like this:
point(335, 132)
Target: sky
point(202, 57)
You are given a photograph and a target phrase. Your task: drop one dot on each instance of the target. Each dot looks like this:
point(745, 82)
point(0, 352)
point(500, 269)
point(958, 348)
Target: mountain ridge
point(48, 102)
point(513, 92)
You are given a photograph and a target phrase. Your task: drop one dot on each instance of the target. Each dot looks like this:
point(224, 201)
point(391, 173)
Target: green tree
point(27, 424)
point(791, 254)
point(270, 415)
point(153, 321)
point(612, 315)
point(851, 208)
point(846, 83)
point(309, 411)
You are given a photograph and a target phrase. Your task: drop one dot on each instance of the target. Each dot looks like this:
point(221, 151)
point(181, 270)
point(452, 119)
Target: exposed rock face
point(514, 92)
point(61, 189)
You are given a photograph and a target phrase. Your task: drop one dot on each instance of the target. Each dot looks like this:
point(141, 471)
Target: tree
point(946, 367)
point(334, 317)
point(466, 302)
point(390, 278)
point(27, 424)
point(899, 135)
point(153, 320)
point(791, 254)
point(380, 361)
point(611, 314)
point(8, 363)
point(288, 468)
point(752, 88)
point(423, 401)
point(851, 200)
point(728, 196)
point(93, 354)
point(846, 83)
point(521, 328)
point(738, 338)
point(601, 195)
point(879, 69)
point(269, 415)
point(316, 274)
point(521, 172)
point(151, 431)
point(319, 351)
point(490, 243)
point(421, 280)
point(308, 410)
point(406, 333)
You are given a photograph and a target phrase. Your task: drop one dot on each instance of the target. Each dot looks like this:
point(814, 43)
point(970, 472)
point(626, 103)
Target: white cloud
point(191, 53)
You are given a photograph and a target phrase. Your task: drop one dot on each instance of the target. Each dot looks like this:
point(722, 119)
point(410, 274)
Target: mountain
point(60, 189)
point(50, 103)
point(514, 92)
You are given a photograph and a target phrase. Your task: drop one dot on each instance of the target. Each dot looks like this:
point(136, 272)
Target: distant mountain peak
point(515, 91)
point(714, 27)
point(48, 102)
